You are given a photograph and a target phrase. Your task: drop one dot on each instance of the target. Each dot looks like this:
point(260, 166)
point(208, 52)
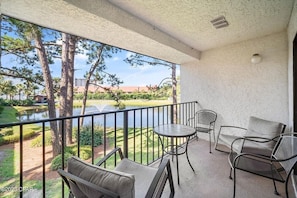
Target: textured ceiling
point(189, 20)
point(172, 30)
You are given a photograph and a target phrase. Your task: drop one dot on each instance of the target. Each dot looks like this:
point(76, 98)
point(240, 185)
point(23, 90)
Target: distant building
point(40, 99)
point(79, 82)
point(125, 89)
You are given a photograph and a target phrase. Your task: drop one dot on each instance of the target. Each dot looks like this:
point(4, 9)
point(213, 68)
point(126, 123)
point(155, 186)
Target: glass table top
point(174, 130)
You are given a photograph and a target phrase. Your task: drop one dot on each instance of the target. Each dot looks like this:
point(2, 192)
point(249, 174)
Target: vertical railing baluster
point(115, 136)
point(171, 112)
point(92, 144)
point(163, 115)
point(141, 136)
point(176, 113)
point(21, 161)
point(104, 137)
point(43, 159)
point(180, 114)
point(126, 132)
point(78, 137)
point(62, 151)
point(153, 135)
point(147, 136)
point(134, 134)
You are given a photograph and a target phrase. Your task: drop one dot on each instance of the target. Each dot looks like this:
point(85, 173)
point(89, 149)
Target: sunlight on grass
point(7, 165)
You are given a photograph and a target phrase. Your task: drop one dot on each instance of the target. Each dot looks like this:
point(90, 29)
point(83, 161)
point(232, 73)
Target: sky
point(131, 76)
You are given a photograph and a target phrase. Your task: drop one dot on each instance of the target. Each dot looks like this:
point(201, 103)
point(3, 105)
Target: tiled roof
point(126, 89)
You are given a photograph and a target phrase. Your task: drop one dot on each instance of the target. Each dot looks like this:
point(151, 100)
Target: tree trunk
point(69, 106)
point(88, 79)
point(64, 82)
point(49, 89)
point(174, 85)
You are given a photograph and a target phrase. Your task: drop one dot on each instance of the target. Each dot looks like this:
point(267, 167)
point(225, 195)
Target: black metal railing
point(130, 129)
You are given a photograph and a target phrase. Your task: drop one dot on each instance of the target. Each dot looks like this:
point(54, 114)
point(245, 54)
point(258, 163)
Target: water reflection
point(138, 118)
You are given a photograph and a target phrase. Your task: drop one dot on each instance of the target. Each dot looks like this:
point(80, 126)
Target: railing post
point(125, 135)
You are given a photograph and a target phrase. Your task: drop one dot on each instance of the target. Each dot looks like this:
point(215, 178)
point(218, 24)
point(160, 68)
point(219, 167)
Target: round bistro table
point(175, 131)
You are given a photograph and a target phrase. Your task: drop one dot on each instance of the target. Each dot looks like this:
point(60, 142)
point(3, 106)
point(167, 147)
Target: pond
point(141, 118)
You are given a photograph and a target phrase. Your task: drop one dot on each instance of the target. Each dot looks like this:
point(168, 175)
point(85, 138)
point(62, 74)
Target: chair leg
point(170, 180)
point(234, 182)
point(230, 176)
point(287, 193)
point(275, 189)
point(70, 195)
point(214, 136)
point(209, 142)
point(287, 181)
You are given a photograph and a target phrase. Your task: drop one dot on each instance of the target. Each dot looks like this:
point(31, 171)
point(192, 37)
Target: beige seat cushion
point(227, 140)
point(143, 175)
point(115, 181)
point(262, 128)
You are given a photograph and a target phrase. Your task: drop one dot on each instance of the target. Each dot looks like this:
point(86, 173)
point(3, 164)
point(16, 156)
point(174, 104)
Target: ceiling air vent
point(219, 22)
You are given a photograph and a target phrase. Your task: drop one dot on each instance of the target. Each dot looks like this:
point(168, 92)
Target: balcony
point(132, 130)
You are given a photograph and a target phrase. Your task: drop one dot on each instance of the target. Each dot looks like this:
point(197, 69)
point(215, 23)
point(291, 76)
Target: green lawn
point(8, 115)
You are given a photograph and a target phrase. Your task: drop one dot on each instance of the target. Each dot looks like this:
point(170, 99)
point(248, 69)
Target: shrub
point(37, 142)
point(70, 149)
point(6, 131)
point(57, 161)
point(16, 137)
point(85, 154)
point(85, 151)
point(86, 135)
point(27, 102)
point(3, 102)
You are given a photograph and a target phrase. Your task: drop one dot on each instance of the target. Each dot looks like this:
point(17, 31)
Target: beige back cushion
point(264, 128)
point(115, 181)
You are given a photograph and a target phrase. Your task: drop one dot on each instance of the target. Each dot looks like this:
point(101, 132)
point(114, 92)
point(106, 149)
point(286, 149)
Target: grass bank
point(8, 115)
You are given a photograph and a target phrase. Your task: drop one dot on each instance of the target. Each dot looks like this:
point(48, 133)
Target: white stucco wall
point(292, 30)
point(226, 81)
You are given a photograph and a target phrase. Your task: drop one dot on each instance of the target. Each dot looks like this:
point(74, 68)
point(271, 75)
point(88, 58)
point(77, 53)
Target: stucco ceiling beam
point(110, 12)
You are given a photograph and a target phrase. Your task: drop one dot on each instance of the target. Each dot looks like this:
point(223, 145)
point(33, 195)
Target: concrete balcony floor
point(211, 177)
